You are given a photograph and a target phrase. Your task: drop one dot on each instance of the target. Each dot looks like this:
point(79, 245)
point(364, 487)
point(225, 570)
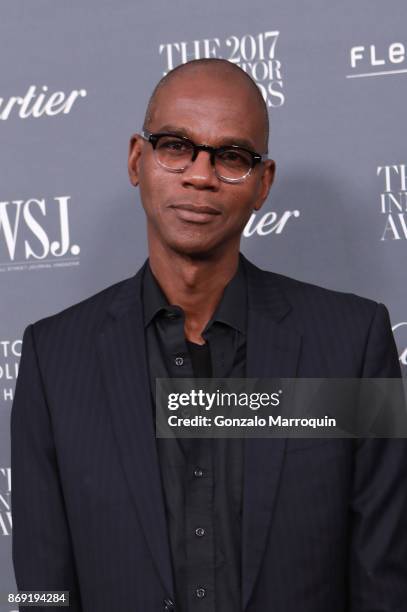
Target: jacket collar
point(264, 292)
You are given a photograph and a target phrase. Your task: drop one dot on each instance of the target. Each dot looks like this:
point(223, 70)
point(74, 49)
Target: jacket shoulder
point(308, 295)
point(343, 334)
point(87, 314)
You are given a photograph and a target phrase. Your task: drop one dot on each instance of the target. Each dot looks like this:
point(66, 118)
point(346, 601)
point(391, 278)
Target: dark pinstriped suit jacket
point(324, 524)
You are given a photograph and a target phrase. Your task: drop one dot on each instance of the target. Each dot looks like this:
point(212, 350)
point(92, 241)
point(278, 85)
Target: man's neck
point(194, 284)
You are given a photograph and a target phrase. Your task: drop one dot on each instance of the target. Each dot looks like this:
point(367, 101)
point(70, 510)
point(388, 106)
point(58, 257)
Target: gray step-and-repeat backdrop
point(75, 79)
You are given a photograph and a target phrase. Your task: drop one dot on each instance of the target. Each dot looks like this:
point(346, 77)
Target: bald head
point(217, 70)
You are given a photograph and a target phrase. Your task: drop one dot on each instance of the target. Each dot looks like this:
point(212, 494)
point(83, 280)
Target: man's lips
point(195, 213)
point(196, 208)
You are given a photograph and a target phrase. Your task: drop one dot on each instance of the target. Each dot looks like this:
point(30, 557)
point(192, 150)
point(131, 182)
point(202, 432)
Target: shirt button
point(198, 472)
point(168, 605)
point(200, 593)
point(179, 361)
point(170, 315)
point(200, 531)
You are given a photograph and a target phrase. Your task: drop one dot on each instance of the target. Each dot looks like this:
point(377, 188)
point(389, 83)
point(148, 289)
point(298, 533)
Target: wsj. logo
point(254, 53)
point(34, 104)
point(371, 61)
point(393, 201)
point(26, 228)
point(5, 503)
point(400, 331)
point(10, 353)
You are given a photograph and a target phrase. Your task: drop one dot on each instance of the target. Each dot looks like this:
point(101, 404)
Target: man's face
point(194, 212)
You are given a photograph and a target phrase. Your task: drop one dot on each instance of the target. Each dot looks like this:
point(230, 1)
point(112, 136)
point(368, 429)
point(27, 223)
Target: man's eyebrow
point(224, 140)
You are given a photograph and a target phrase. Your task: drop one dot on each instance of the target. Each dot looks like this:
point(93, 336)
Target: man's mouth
point(195, 213)
point(197, 208)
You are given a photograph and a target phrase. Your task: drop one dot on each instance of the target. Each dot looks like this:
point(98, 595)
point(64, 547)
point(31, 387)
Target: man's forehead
point(210, 86)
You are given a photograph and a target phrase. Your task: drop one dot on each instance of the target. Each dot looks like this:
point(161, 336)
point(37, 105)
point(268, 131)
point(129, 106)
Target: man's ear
point(135, 148)
point(267, 179)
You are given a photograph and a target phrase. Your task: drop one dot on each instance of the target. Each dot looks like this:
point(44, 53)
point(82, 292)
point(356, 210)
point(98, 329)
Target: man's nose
point(201, 173)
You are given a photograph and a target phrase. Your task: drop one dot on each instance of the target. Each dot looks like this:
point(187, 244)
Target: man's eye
point(174, 145)
point(233, 157)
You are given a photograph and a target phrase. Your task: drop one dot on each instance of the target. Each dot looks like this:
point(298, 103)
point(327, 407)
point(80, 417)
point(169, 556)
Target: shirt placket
point(199, 527)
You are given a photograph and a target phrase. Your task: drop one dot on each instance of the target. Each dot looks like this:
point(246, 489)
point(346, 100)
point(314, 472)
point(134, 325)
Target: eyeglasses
point(175, 153)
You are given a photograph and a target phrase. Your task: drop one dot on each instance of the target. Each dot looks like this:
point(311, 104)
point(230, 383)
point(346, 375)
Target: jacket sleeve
point(41, 546)
point(378, 509)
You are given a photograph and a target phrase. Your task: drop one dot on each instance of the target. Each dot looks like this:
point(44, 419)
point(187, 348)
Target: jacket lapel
point(272, 352)
point(123, 359)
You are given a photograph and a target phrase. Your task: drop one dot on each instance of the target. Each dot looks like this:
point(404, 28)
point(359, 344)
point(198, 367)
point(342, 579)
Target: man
point(125, 521)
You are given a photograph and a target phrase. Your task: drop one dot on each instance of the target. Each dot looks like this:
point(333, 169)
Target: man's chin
point(196, 249)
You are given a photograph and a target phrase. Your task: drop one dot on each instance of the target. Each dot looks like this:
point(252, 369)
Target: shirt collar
point(154, 300)
point(231, 310)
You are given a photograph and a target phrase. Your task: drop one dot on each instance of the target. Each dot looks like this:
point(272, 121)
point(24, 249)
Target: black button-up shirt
point(202, 478)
